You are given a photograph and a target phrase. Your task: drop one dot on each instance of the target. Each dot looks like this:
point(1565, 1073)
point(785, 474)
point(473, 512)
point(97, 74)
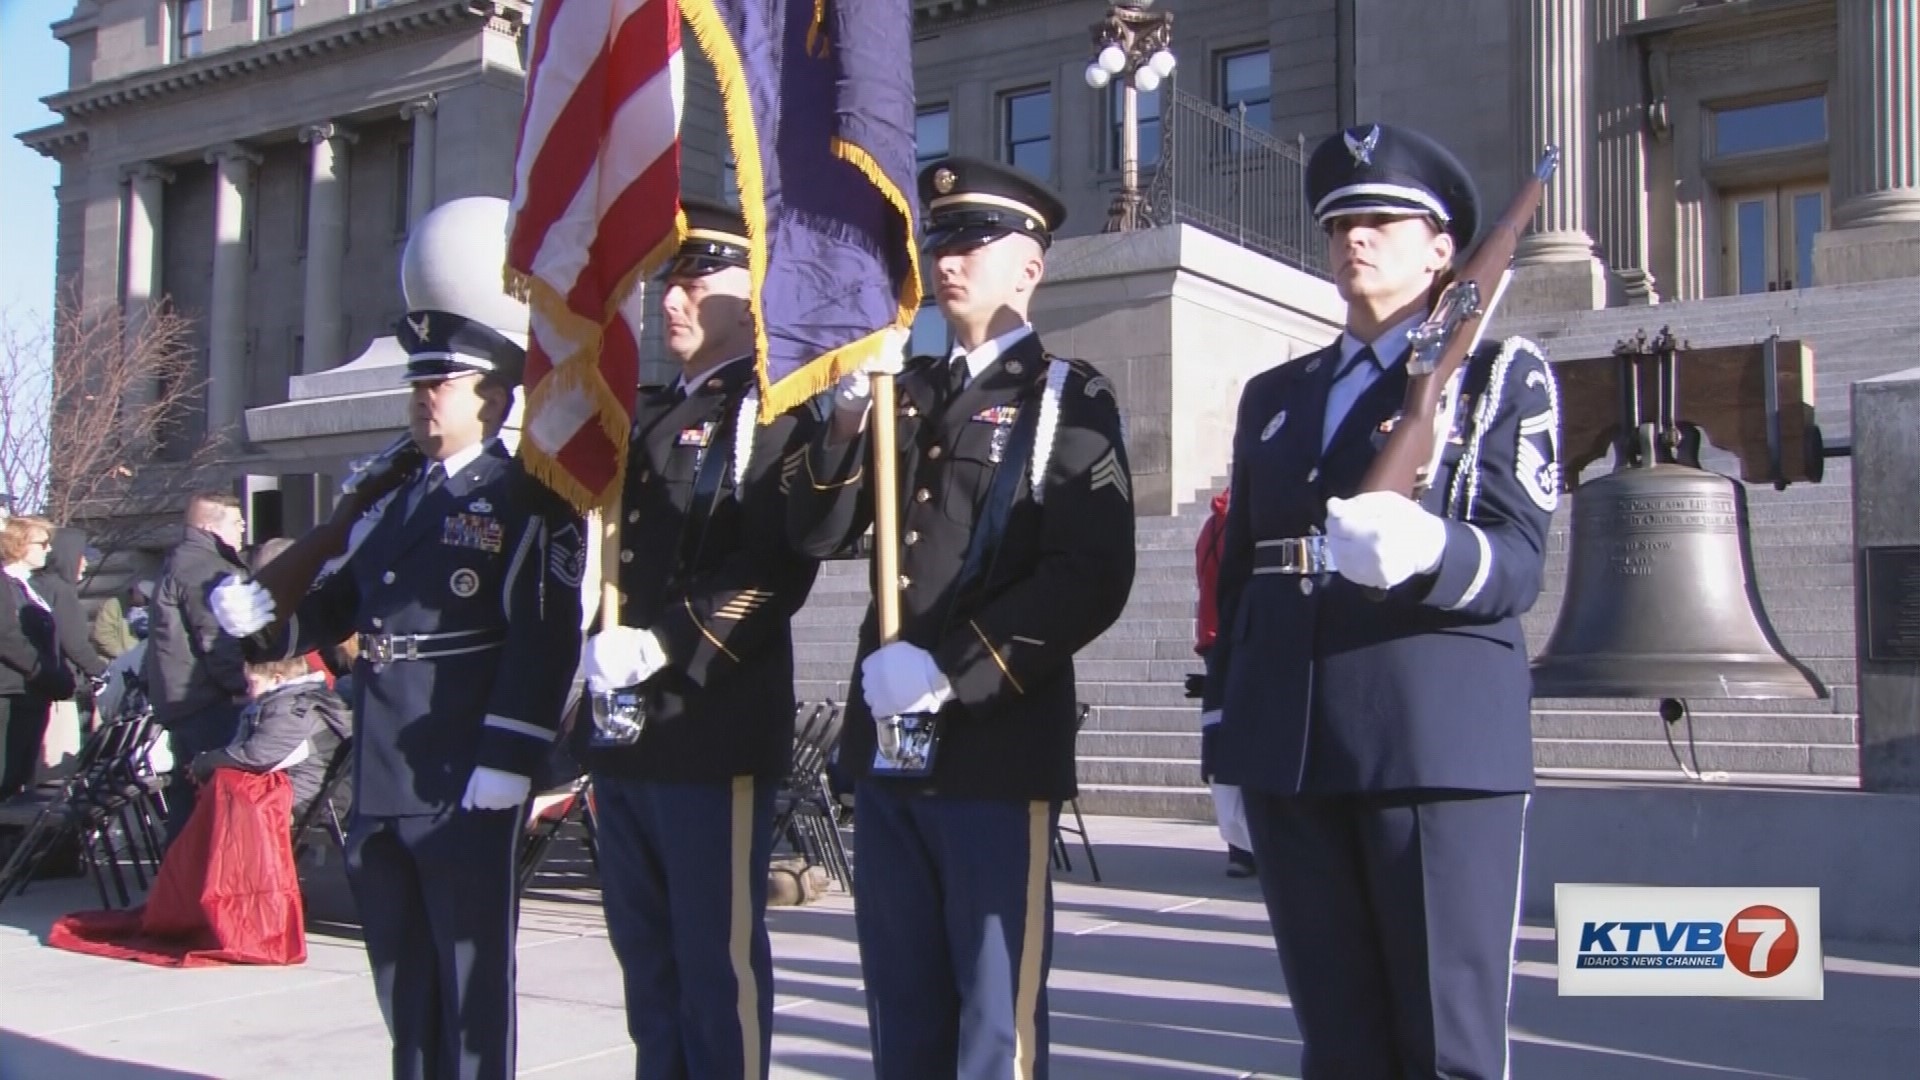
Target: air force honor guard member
point(686, 767)
point(1017, 549)
point(464, 591)
point(1382, 739)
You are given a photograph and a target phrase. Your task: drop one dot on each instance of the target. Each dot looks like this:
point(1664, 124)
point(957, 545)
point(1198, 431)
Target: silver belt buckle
point(377, 647)
point(1306, 555)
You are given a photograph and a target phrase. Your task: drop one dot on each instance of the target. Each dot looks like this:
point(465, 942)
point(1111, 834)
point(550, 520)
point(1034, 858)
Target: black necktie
point(436, 476)
point(1364, 356)
point(956, 376)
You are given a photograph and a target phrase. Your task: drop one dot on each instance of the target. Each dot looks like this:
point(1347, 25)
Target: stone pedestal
point(1554, 267)
point(1886, 537)
point(1876, 214)
point(1178, 319)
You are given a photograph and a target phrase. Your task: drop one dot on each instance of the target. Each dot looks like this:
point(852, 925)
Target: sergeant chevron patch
point(567, 556)
point(1107, 473)
point(743, 604)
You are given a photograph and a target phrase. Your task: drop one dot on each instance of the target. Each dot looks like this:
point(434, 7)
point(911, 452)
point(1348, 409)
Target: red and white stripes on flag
point(596, 208)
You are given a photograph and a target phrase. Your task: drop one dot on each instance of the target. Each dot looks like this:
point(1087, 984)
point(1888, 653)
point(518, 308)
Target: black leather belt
point(1292, 555)
point(387, 648)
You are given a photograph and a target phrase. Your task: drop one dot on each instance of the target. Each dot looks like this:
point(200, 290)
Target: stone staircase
point(1139, 753)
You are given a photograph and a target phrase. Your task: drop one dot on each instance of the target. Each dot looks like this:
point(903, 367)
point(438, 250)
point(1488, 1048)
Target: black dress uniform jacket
point(724, 705)
point(493, 556)
point(1328, 687)
point(1060, 577)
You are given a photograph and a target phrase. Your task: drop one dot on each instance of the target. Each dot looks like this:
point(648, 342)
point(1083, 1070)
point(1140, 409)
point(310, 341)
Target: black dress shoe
point(1239, 862)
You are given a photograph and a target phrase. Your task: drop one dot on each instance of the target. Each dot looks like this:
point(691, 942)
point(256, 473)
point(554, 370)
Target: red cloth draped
point(227, 892)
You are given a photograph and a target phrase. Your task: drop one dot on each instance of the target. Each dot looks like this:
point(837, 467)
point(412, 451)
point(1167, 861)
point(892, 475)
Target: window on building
point(1148, 106)
point(1246, 78)
point(1776, 125)
point(931, 134)
point(1769, 236)
point(189, 27)
point(1027, 130)
point(278, 16)
point(402, 186)
point(930, 336)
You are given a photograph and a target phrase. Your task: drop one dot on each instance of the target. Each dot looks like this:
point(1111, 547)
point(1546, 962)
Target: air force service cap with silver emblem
point(1382, 169)
point(970, 201)
point(443, 345)
point(716, 239)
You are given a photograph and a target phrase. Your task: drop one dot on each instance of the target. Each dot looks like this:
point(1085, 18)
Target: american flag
point(595, 210)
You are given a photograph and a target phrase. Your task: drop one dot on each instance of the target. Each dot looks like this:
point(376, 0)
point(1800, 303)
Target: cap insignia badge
point(422, 327)
point(1362, 149)
point(943, 180)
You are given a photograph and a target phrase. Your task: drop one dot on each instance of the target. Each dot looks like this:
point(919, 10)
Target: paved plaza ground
point(1162, 970)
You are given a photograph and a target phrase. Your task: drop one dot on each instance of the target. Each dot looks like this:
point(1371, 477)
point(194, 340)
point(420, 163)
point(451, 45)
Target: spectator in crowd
point(195, 675)
point(59, 581)
point(1228, 810)
point(293, 724)
point(121, 621)
point(32, 673)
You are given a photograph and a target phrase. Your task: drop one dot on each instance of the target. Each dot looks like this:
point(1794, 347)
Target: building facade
point(259, 162)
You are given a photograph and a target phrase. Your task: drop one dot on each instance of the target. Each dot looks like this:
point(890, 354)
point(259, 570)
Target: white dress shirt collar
point(687, 384)
point(1386, 348)
point(979, 359)
point(452, 466)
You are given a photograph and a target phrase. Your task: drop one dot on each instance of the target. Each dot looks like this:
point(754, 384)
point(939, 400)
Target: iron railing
point(1217, 173)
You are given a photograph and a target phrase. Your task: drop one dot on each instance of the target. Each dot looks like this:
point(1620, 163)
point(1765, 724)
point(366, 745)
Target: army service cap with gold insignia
point(970, 201)
point(716, 239)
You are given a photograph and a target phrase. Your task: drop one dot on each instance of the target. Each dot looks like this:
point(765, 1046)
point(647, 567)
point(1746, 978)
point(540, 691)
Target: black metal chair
point(324, 810)
point(806, 814)
point(1079, 827)
point(547, 815)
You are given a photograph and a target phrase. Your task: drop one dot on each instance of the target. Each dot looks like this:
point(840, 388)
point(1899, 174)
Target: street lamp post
point(1132, 44)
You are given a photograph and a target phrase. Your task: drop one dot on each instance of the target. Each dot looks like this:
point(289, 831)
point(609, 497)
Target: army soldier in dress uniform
point(1017, 549)
point(695, 730)
point(465, 596)
point(1370, 679)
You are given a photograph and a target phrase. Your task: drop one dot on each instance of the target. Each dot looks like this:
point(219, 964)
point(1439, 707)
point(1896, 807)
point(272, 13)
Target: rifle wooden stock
point(289, 575)
point(1447, 338)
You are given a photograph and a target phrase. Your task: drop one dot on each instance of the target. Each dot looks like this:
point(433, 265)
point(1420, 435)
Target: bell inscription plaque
point(1892, 591)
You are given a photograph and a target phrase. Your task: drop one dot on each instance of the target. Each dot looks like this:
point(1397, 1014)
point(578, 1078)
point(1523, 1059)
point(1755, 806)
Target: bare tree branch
point(96, 415)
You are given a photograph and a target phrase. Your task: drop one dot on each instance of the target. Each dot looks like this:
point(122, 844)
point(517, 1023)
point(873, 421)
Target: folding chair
point(805, 811)
point(546, 816)
point(1079, 826)
point(324, 810)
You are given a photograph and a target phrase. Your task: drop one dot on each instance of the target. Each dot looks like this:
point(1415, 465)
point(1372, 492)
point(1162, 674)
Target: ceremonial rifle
point(1443, 343)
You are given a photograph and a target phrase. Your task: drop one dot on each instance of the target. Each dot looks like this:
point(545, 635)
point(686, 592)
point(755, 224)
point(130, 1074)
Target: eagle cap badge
point(422, 327)
point(1362, 149)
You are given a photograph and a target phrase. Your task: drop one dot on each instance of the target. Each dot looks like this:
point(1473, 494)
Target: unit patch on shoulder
point(1535, 463)
point(1100, 384)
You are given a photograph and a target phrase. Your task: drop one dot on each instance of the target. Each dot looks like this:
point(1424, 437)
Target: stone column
point(420, 166)
point(1620, 153)
point(227, 321)
point(323, 331)
point(1876, 214)
point(146, 190)
point(1555, 269)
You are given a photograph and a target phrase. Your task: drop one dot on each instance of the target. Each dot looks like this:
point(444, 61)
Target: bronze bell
point(1660, 600)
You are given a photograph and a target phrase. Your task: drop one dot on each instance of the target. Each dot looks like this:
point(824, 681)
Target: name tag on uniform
point(697, 436)
point(996, 414)
point(476, 531)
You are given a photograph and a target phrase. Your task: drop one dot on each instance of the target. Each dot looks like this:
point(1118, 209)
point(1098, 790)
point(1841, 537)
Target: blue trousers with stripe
point(438, 907)
point(683, 877)
point(1395, 916)
point(954, 909)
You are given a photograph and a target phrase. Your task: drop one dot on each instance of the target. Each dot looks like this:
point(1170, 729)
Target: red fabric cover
point(226, 893)
point(1206, 554)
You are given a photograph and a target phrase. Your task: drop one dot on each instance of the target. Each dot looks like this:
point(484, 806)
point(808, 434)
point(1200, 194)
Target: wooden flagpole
point(886, 509)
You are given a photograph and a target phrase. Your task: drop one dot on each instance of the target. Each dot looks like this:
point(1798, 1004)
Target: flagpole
point(886, 509)
point(610, 567)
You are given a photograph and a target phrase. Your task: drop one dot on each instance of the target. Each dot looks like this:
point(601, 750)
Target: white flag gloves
point(622, 656)
point(492, 789)
point(898, 679)
point(1382, 538)
point(242, 607)
point(853, 391)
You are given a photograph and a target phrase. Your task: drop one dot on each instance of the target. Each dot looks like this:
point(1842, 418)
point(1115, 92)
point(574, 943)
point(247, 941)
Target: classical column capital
point(328, 130)
point(146, 171)
point(424, 106)
point(234, 152)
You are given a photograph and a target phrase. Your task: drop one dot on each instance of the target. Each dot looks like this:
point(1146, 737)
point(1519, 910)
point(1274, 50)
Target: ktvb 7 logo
point(1760, 941)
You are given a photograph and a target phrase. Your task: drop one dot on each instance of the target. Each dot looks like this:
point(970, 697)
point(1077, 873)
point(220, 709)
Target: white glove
point(622, 656)
point(492, 789)
point(1209, 718)
point(853, 391)
point(901, 678)
point(242, 607)
point(1382, 538)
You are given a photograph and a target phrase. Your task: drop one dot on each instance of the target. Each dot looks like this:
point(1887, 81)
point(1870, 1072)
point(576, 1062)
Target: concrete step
point(1773, 758)
point(1137, 771)
point(1728, 727)
point(1157, 745)
point(1177, 803)
point(1146, 719)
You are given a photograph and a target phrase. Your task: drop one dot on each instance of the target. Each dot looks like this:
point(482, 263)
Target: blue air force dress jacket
point(724, 705)
point(487, 571)
point(1061, 574)
point(1327, 687)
